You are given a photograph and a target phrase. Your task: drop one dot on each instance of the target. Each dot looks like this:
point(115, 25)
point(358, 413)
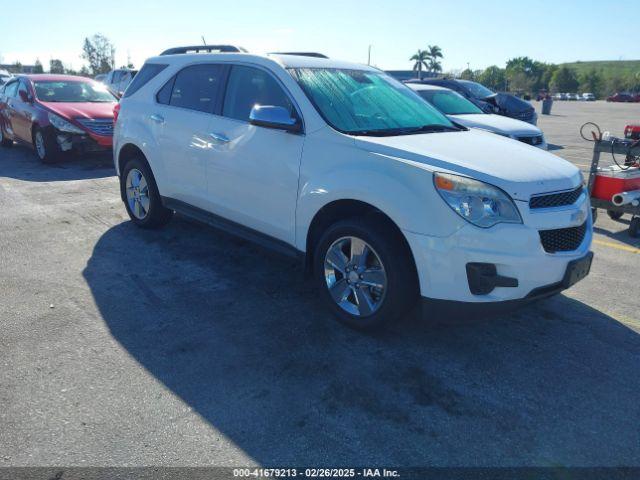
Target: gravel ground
point(188, 347)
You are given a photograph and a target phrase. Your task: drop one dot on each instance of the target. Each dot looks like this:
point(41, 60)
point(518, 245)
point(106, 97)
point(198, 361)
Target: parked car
point(460, 110)
point(621, 97)
point(384, 198)
point(100, 78)
point(573, 97)
point(118, 80)
point(560, 96)
point(489, 101)
point(589, 97)
point(56, 114)
point(4, 77)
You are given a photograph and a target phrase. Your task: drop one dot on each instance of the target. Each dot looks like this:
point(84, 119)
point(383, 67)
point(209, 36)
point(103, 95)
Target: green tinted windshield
point(449, 102)
point(360, 101)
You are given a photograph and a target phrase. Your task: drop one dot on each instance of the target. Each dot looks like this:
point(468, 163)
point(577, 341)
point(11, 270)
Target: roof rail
point(204, 48)
point(302, 54)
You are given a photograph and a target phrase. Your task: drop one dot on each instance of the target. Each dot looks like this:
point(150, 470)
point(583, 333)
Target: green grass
point(607, 67)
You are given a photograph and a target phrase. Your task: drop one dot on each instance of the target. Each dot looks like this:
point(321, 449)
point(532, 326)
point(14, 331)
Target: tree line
point(97, 50)
point(528, 76)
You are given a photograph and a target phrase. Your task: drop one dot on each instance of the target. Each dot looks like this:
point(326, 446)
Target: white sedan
point(462, 111)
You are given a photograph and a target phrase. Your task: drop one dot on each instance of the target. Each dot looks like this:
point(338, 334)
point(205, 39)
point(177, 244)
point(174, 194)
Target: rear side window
point(197, 87)
point(148, 71)
point(249, 86)
point(164, 95)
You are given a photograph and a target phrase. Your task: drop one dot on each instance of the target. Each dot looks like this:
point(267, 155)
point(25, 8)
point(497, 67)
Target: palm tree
point(421, 58)
point(434, 53)
point(434, 65)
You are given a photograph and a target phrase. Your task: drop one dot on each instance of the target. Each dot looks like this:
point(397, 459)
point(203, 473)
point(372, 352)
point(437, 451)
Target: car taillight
point(116, 111)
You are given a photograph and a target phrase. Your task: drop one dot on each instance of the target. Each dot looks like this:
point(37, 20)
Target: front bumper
point(515, 250)
point(85, 143)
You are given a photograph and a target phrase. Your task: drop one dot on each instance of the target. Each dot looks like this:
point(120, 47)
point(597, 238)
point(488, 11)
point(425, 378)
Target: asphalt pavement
point(186, 346)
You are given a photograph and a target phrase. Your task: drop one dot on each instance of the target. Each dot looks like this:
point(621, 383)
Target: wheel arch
point(126, 153)
point(343, 209)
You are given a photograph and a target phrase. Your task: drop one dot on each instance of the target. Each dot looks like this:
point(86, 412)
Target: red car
point(621, 97)
point(56, 114)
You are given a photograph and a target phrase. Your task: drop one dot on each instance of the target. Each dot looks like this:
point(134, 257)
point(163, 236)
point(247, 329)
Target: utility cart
point(598, 191)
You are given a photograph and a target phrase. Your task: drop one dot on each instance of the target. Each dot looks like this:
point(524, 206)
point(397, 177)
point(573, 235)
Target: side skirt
point(233, 228)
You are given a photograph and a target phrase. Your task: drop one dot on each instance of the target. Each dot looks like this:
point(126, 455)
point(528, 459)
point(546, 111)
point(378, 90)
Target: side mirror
point(24, 96)
point(270, 116)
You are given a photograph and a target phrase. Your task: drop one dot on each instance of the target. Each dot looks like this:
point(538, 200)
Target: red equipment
point(632, 132)
point(611, 180)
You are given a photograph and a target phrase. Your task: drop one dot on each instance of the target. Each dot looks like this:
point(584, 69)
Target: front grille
point(99, 126)
point(531, 140)
point(562, 239)
point(555, 199)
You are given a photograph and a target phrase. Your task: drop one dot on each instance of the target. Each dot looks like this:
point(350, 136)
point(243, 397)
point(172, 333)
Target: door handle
point(218, 137)
point(157, 118)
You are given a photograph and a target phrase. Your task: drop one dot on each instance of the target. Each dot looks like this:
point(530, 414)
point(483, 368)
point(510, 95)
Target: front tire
point(141, 197)
point(365, 273)
point(46, 147)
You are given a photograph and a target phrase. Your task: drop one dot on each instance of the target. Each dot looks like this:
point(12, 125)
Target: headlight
point(477, 202)
point(62, 125)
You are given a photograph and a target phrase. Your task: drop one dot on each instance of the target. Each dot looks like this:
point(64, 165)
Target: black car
point(488, 100)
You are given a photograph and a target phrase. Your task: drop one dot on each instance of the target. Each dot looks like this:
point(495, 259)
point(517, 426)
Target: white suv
point(385, 199)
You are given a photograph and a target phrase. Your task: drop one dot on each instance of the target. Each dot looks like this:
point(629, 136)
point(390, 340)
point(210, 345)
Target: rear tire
point(46, 146)
point(365, 290)
point(141, 197)
point(4, 141)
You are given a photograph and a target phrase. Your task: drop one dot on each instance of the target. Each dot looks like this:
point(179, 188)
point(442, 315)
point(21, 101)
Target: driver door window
point(247, 87)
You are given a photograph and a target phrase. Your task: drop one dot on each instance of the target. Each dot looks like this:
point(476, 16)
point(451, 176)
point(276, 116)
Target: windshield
point(477, 90)
point(368, 102)
point(73, 91)
point(448, 102)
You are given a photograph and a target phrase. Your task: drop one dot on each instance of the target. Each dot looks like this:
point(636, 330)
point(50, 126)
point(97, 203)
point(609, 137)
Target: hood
point(498, 124)
point(513, 166)
point(81, 110)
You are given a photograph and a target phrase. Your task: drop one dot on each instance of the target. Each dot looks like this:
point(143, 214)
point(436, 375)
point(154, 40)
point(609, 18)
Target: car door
point(6, 109)
point(253, 171)
point(180, 122)
point(22, 106)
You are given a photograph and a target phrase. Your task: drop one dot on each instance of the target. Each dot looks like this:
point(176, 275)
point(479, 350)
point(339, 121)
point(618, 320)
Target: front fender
point(400, 189)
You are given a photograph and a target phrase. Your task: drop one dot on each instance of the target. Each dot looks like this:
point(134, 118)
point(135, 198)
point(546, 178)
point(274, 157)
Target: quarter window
point(248, 86)
point(197, 87)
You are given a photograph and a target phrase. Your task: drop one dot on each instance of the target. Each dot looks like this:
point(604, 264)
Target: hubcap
point(355, 276)
point(137, 194)
point(40, 145)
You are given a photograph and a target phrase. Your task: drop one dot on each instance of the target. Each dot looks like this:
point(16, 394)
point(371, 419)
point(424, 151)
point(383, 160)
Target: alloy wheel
point(355, 276)
point(137, 191)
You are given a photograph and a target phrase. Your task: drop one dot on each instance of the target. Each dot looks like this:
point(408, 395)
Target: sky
point(471, 33)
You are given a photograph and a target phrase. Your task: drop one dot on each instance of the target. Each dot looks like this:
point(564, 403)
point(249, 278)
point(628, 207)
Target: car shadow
point(21, 163)
point(234, 332)
point(621, 235)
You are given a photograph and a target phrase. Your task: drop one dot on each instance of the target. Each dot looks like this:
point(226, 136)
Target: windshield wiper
point(393, 132)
